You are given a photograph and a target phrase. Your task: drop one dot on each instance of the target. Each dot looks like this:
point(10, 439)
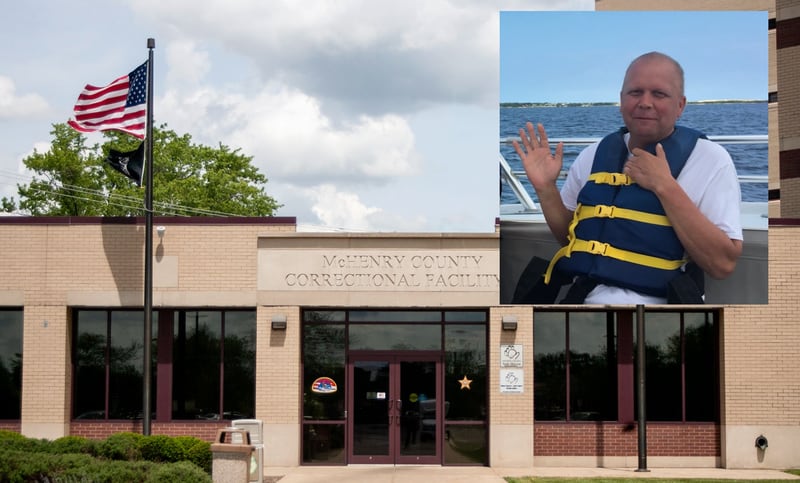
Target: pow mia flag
point(129, 163)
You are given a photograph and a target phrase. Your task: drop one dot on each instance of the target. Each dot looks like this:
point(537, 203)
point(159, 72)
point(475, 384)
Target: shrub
point(72, 444)
point(196, 450)
point(161, 448)
point(105, 471)
point(21, 466)
point(72, 458)
point(12, 440)
point(180, 472)
point(121, 446)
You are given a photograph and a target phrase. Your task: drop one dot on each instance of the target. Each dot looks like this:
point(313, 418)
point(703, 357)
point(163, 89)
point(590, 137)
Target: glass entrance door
point(395, 415)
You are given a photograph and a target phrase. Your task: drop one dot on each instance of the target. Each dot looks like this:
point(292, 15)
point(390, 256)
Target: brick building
point(394, 348)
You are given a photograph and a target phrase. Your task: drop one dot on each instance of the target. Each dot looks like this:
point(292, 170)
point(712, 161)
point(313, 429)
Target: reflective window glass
point(91, 337)
point(593, 369)
point(125, 357)
point(465, 445)
point(196, 363)
point(323, 372)
point(394, 316)
point(550, 366)
point(465, 372)
point(395, 337)
point(239, 396)
point(323, 444)
point(663, 366)
point(701, 362)
point(10, 363)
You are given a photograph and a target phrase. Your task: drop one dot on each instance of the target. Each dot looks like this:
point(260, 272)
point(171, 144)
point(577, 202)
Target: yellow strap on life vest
point(604, 249)
point(605, 211)
point(616, 179)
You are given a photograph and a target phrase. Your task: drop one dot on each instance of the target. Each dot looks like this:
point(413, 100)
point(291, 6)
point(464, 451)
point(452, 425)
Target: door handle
point(399, 404)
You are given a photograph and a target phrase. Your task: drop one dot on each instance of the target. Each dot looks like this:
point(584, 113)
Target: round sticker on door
point(413, 397)
point(324, 385)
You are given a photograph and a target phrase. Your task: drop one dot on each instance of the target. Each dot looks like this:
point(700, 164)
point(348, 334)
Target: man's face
point(651, 100)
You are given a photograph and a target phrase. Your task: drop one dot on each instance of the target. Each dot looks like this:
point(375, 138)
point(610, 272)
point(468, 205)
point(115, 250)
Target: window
point(213, 364)
point(584, 366)
point(211, 354)
point(458, 335)
point(10, 363)
point(465, 409)
point(575, 366)
point(681, 366)
point(108, 364)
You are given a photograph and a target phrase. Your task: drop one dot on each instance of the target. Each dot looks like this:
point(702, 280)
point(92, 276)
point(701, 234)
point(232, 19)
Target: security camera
point(761, 442)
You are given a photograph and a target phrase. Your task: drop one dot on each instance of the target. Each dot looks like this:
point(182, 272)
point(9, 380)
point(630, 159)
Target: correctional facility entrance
point(396, 414)
point(395, 387)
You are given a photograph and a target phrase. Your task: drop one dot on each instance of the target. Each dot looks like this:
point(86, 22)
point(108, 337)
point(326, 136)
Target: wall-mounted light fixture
point(161, 229)
point(761, 442)
point(278, 322)
point(509, 322)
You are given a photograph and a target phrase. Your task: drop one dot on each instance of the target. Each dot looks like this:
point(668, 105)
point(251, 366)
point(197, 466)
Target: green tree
point(73, 179)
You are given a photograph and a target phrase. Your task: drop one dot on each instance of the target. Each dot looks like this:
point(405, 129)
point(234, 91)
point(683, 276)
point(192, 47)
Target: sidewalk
point(482, 474)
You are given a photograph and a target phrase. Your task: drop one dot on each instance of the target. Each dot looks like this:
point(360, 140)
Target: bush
point(119, 459)
point(196, 450)
point(180, 472)
point(161, 448)
point(12, 440)
point(72, 444)
point(21, 466)
point(121, 446)
point(104, 471)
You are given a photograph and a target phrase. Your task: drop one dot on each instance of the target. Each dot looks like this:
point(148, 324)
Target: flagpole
point(148, 245)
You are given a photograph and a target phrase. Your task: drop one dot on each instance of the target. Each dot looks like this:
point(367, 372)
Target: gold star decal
point(465, 383)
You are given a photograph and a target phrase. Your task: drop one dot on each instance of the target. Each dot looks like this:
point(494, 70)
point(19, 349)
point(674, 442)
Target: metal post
point(640, 381)
point(148, 246)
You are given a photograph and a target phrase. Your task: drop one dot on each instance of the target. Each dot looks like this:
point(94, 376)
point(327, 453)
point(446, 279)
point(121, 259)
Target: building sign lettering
point(371, 270)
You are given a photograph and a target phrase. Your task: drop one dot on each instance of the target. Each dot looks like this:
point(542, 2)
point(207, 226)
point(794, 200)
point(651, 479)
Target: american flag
point(119, 106)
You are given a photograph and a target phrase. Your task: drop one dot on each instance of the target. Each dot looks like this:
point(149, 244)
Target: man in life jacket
point(642, 209)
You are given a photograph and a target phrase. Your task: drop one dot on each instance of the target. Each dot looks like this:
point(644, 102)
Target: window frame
point(626, 360)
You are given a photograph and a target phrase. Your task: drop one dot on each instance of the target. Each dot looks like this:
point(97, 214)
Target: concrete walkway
point(453, 474)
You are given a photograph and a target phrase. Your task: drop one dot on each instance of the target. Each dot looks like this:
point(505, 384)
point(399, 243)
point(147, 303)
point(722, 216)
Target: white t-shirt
point(708, 178)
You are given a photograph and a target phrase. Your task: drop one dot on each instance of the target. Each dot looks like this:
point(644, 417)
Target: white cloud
point(341, 209)
point(291, 138)
point(343, 105)
point(357, 56)
point(16, 106)
point(187, 64)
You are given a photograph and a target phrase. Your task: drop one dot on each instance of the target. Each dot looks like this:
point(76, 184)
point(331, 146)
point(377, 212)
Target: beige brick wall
point(44, 267)
point(48, 262)
point(789, 95)
point(45, 372)
point(510, 414)
point(278, 385)
point(761, 383)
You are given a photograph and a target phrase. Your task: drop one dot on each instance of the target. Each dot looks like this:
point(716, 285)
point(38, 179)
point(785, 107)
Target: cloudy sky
point(724, 54)
point(363, 114)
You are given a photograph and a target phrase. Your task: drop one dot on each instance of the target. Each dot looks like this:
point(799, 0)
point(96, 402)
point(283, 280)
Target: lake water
point(597, 121)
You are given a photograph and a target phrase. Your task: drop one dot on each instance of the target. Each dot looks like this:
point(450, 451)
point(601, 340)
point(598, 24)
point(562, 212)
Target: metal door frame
point(395, 358)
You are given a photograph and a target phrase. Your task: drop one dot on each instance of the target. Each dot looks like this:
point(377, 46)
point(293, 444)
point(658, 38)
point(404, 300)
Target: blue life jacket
point(620, 234)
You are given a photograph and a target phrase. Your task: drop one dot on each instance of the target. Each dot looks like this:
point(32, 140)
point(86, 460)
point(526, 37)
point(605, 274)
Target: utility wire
point(113, 199)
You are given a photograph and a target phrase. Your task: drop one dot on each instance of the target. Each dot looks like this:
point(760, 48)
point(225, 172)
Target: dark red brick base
point(205, 430)
point(11, 426)
point(616, 439)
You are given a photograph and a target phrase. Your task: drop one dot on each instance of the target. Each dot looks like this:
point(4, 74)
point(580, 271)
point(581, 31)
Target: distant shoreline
point(595, 104)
